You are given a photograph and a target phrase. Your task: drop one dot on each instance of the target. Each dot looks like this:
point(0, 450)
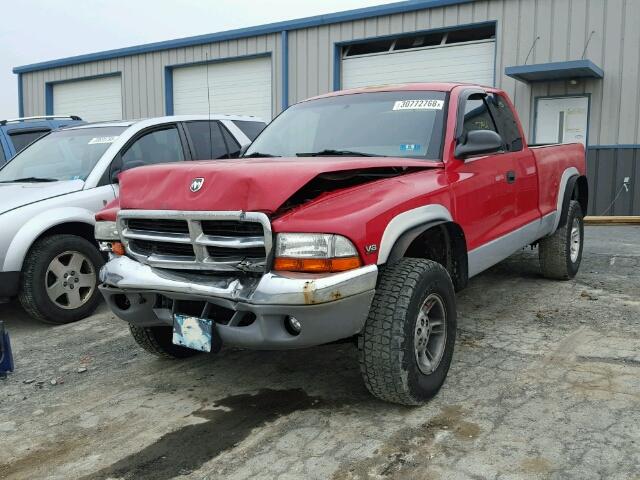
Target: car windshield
point(390, 124)
point(61, 155)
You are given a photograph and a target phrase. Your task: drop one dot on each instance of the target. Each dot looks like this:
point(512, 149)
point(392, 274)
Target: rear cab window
point(250, 129)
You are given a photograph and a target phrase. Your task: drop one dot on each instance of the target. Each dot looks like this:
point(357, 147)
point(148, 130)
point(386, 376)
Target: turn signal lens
point(117, 248)
point(316, 265)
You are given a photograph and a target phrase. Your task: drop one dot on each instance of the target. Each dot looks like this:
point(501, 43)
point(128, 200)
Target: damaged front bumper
point(328, 307)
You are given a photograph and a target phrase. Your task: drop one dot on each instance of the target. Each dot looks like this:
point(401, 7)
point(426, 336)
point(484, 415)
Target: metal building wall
point(143, 76)
point(563, 27)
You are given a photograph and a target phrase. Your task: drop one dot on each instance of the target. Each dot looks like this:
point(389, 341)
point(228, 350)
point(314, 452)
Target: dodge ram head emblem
point(196, 184)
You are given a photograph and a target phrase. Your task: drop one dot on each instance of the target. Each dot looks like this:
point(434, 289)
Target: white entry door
point(562, 120)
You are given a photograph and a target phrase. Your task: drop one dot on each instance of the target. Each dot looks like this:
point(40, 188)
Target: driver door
point(484, 195)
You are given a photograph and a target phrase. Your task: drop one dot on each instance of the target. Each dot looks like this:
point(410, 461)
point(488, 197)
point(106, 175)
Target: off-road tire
point(554, 251)
point(386, 345)
point(33, 295)
point(157, 340)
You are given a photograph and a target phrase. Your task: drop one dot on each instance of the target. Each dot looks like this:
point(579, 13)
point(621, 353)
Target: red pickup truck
point(355, 214)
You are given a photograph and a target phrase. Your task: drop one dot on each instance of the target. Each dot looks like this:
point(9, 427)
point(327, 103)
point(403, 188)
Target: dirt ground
point(545, 383)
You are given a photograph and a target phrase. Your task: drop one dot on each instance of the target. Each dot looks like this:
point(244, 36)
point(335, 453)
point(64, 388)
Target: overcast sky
point(39, 30)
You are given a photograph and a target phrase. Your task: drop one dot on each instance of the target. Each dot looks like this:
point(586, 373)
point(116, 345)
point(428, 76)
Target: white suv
point(51, 190)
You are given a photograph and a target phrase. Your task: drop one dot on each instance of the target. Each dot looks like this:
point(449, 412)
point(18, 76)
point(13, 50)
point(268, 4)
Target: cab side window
point(506, 122)
point(157, 146)
point(206, 140)
point(477, 116)
point(232, 143)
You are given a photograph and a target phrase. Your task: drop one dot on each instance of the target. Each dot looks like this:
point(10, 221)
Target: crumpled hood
point(15, 195)
point(253, 184)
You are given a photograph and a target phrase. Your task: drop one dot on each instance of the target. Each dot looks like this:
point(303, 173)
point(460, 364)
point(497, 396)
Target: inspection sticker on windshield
point(96, 140)
point(410, 147)
point(418, 105)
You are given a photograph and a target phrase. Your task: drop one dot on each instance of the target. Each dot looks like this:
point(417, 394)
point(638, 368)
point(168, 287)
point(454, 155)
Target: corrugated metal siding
point(143, 75)
point(607, 169)
point(563, 27)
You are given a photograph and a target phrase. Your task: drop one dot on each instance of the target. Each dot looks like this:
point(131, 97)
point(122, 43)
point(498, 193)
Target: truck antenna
point(206, 56)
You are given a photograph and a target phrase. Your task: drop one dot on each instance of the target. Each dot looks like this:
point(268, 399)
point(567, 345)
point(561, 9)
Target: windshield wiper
point(259, 154)
point(337, 153)
point(30, 180)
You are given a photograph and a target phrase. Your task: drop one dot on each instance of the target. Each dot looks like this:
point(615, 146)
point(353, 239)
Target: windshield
point(61, 155)
point(391, 124)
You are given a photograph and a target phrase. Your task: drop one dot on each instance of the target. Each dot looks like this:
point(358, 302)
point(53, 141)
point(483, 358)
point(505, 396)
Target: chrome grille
point(215, 241)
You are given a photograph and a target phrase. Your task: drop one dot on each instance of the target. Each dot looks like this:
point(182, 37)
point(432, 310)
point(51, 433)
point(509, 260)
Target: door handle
point(511, 176)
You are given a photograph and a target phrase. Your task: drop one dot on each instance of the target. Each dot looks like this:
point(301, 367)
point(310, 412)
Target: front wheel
point(407, 344)
point(560, 254)
point(60, 279)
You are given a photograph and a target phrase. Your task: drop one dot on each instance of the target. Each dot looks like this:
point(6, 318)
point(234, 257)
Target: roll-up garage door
point(94, 100)
point(470, 62)
point(239, 87)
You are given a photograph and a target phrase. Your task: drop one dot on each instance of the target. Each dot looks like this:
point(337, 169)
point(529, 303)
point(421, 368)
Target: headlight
point(315, 252)
point(106, 231)
point(108, 239)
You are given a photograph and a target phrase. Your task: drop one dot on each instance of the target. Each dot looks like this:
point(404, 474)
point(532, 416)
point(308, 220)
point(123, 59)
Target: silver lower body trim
point(497, 250)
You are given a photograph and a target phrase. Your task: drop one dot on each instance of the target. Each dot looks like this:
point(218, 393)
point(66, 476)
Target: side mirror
point(478, 142)
point(114, 175)
point(243, 150)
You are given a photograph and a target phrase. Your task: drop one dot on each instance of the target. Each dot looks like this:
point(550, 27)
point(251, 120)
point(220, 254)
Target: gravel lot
point(545, 383)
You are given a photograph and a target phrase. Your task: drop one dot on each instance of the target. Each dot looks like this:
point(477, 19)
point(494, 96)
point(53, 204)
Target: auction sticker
point(418, 105)
point(96, 140)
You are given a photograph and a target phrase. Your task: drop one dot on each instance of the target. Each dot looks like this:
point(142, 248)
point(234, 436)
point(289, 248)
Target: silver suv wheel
point(70, 280)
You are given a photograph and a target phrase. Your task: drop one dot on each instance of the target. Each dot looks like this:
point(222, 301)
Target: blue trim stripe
point(622, 146)
point(48, 99)
point(357, 14)
point(168, 90)
point(285, 69)
point(555, 71)
point(20, 97)
point(337, 66)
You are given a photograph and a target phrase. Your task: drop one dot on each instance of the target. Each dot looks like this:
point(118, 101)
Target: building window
point(422, 40)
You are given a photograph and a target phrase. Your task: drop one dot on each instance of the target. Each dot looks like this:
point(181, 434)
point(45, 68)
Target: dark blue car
point(18, 133)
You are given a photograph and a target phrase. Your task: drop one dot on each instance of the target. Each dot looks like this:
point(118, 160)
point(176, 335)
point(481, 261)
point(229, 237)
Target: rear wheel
point(560, 254)
point(158, 341)
point(407, 344)
point(60, 278)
